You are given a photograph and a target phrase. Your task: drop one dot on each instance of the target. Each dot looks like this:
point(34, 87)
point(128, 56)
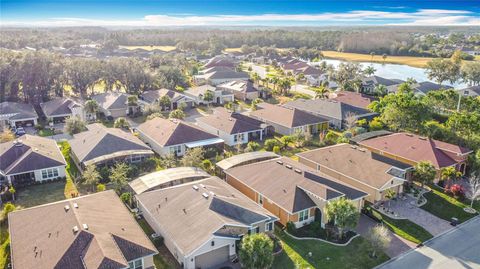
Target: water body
point(395, 71)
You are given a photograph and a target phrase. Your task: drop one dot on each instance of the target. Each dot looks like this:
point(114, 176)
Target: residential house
point(18, 114)
point(234, 128)
point(220, 96)
point(220, 60)
point(102, 146)
point(423, 88)
point(113, 104)
point(289, 121)
point(470, 50)
point(242, 89)
point(358, 167)
point(370, 83)
point(30, 159)
point(202, 222)
point(58, 109)
point(219, 75)
point(172, 136)
point(177, 99)
point(411, 149)
point(339, 115)
point(291, 191)
point(352, 98)
point(166, 178)
point(91, 231)
point(242, 159)
point(473, 91)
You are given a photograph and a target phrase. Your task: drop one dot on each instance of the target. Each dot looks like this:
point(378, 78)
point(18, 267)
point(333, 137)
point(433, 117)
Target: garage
point(212, 258)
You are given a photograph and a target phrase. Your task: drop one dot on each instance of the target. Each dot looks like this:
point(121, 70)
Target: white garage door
point(212, 258)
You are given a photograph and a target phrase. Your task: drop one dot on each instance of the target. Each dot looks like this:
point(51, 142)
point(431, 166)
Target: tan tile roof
point(190, 220)
point(43, 236)
point(416, 148)
point(354, 99)
point(283, 180)
point(167, 132)
point(353, 162)
point(288, 117)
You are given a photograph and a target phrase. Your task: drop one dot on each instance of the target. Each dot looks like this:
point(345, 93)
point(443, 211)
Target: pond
point(395, 71)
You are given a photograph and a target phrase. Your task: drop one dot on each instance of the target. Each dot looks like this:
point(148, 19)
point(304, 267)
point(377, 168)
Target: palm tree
point(91, 107)
point(450, 174)
point(372, 54)
point(424, 172)
point(381, 90)
point(321, 92)
point(255, 78)
point(384, 57)
point(370, 70)
point(390, 194)
point(411, 81)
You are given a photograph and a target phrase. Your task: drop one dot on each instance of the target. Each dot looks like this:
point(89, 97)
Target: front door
point(318, 215)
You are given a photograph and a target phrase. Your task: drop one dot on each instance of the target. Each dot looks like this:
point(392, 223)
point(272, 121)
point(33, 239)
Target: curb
point(325, 241)
point(426, 242)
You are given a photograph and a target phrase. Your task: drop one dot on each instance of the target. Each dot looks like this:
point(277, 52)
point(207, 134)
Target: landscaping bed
point(314, 230)
point(402, 227)
point(445, 207)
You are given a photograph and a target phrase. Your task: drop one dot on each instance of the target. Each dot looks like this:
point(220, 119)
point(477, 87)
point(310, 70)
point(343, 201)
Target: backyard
point(323, 255)
point(444, 206)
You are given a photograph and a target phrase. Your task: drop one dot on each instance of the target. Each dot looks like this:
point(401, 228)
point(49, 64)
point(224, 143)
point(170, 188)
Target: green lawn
point(445, 206)
point(405, 228)
point(354, 256)
point(4, 246)
point(40, 194)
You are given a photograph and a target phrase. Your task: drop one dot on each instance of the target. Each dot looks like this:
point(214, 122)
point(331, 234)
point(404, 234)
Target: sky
point(156, 13)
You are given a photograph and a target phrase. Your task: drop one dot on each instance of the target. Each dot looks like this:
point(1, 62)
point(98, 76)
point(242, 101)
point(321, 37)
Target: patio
point(406, 208)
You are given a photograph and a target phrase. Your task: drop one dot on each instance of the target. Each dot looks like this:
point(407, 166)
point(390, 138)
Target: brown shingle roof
point(230, 122)
point(29, 153)
point(278, 180)
point(416, 148)
point(288, 117)
point(353, 162)
point(43, 236)
point(354, 99)
point(167, 132)
point(189, 219)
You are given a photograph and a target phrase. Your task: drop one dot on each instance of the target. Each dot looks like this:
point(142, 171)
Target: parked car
point(19, 131)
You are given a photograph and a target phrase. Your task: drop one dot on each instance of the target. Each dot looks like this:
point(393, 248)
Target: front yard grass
point(355, 255)
point(445, 207)
point(403, 228)
point(4, 246)
point(46, 132)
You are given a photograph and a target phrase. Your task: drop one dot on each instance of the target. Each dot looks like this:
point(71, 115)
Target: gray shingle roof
point(111, 100)
point(282, 115)
point(19, 110)
point(100, 141)
point(58, 106)
point(327, 108)
point(231, 122)
point(29, 153)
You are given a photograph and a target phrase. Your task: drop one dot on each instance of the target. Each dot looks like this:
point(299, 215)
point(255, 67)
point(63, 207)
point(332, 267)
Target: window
point(49, 173)
point(260, 199)
point(303, 215)
point(135, 158)
point(136, 264)
point(176, 149)
point(254, 230)
point(269, 226)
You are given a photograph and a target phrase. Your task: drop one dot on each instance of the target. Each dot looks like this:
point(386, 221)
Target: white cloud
point(359, 17)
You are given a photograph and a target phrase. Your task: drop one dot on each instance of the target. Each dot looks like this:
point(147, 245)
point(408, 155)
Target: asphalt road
point(458, 248)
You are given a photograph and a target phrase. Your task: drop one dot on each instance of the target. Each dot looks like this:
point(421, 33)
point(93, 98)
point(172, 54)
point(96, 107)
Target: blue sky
point(247, 12)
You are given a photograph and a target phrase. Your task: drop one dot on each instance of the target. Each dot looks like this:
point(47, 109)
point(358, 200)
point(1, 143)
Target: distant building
point(241, 89)
point(233, 128)
point(112, 104)
point(470, 91)
point(370, 83)
point(91, 231)
point(218, 75)
point(58, 109)
point(177, 99)
point(220, 96)
point(354, 99)
point(289, 121)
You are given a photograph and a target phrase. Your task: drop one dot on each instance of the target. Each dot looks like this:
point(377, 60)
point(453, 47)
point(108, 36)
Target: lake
point(395, 71)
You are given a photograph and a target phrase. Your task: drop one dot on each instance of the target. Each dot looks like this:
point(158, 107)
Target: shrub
point(100, 187)
point(126, 197)
point(276, 149)
point(39, 127)
point(291, 229)
point(270, 143)
point(331, 138)
point(456, 191)
point(376, 124)
point(252, 146)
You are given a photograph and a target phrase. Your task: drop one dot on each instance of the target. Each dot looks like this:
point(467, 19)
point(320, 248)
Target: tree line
point(36, 77)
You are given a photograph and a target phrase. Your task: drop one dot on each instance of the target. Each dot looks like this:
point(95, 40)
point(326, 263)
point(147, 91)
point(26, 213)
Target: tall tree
point(380, 238)
point(424, 172)
point(119, 176)
point(91, 176)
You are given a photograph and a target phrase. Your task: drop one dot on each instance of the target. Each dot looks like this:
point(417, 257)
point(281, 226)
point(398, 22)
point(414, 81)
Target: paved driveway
point(300, 88)
point(398, 244)
point(431, 223)
point(458, 248)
